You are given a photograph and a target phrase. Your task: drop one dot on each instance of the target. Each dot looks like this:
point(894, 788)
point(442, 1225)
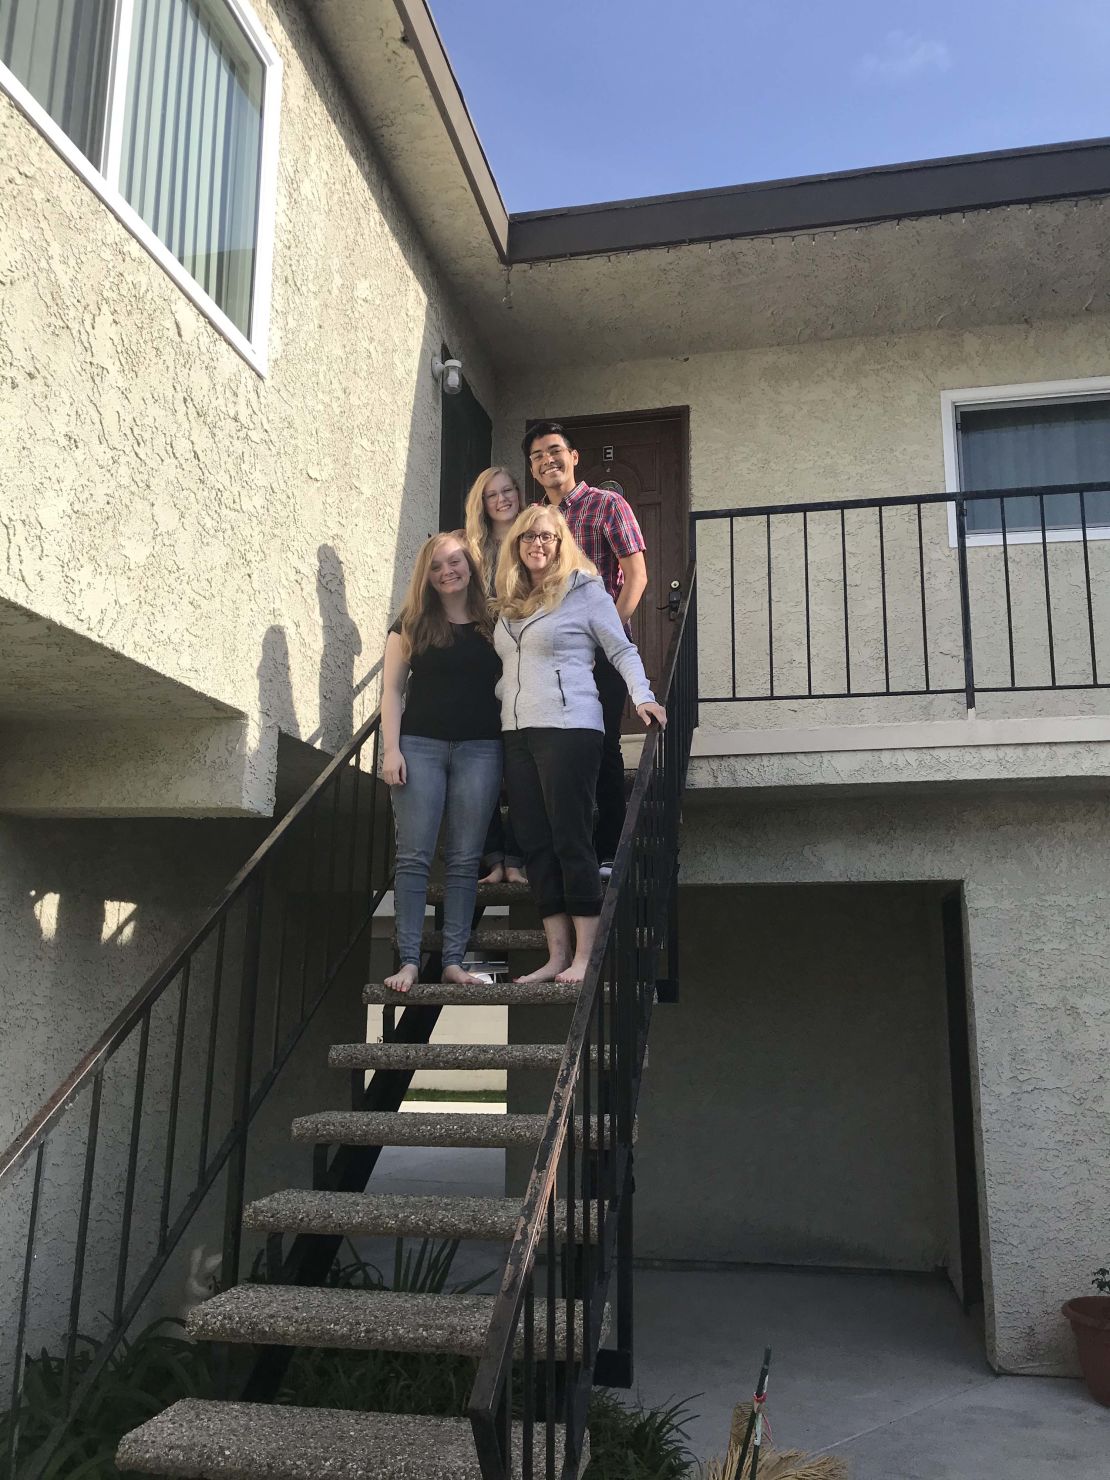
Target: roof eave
point(422, 35)
point(932, 187)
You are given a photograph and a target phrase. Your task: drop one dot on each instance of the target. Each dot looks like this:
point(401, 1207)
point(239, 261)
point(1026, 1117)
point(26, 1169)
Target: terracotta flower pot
point(1090, 1320)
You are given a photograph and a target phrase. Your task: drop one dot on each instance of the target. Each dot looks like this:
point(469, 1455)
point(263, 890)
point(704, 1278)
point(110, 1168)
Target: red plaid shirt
point(605, 528)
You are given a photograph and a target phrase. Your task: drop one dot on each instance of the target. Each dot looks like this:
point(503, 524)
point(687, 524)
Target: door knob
point(673, 601)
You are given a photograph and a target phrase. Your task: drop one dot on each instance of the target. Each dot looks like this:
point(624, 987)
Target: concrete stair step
point(369, 1214)
point(428, 1128)
point(454, 994)
point(489, 894)
point(441, 1056)
point(489, 938)
point(446, 1055)
point(357, 1320)
point(261, 1441)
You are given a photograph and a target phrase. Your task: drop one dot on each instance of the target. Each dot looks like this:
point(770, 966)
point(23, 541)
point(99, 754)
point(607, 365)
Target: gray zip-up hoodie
point(547, 661)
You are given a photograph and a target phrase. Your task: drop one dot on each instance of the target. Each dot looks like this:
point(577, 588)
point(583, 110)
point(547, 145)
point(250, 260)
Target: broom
point(774, 1464)
point(745, 1458)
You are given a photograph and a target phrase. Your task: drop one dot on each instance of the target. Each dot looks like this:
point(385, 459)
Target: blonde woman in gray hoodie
point(553, 612)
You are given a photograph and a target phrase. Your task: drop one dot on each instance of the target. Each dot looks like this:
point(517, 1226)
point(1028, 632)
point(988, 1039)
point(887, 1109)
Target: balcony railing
point(1004, 591)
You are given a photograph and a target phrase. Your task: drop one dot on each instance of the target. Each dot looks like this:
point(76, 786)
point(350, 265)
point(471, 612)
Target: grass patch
point(480, 1096)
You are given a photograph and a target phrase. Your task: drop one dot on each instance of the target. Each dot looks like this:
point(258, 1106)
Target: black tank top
point(450, 691)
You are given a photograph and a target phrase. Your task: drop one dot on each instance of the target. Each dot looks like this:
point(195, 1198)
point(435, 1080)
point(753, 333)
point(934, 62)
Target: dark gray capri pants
point(551, 777)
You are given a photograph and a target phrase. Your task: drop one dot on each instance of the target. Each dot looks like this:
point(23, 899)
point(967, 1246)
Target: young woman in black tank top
point(441, 728)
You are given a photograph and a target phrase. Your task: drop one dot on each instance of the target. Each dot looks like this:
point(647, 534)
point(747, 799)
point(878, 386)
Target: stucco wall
point(849, 418)
point(243, 537)
point(797, 1109)
point(87, 910)
point(1034, 875)
point(246, 536)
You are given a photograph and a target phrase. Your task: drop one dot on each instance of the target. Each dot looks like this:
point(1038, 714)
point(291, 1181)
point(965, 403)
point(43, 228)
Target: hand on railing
point(649, 712)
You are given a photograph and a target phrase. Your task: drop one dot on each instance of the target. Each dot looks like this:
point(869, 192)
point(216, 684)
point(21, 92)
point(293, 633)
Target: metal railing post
point(244, 1064)
point(965, 603)
point(625, 1292)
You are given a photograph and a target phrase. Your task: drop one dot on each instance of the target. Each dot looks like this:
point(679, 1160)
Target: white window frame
point(253, 346)
point(977, 398)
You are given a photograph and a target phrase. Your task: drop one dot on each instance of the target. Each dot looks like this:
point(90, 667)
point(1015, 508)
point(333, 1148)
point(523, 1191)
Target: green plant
point(145, 1375)
point(1101, 1281)
point(637, 1443)
point(137, 1381)
point(154, 1369)
point(389, 1382)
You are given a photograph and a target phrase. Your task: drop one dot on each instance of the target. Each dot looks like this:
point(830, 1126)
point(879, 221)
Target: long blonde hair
point(516, 596)
point(424, 623)
point(479, 526)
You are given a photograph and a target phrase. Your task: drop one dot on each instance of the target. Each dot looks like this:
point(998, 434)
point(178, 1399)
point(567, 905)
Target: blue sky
point(587, 100)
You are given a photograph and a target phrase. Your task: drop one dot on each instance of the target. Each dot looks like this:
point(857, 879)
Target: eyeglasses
point(537, 536)
point(494, 496)
point(538, 455)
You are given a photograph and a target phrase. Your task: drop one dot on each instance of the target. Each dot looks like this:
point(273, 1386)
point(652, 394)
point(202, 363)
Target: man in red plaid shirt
point(607, 531)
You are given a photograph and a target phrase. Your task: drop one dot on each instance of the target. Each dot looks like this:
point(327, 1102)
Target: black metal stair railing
point(157, 1116)
point(529, 1402)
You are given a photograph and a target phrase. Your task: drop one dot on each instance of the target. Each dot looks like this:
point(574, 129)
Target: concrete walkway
point(884, 1370)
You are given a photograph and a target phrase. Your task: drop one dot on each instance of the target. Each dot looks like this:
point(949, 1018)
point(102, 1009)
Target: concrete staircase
point(256, 1441)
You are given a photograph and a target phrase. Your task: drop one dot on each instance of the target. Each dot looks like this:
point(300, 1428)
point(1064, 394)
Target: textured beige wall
point(836, 420)
point(87, 910)
point(1034, 877)
point(822, 1084)
point(82, 769)
point(245, 536)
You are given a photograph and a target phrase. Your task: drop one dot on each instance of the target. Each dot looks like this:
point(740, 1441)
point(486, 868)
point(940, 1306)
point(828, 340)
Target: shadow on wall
point(344, 638)
point(88, 908)
point(275, 683)
point(340, 645)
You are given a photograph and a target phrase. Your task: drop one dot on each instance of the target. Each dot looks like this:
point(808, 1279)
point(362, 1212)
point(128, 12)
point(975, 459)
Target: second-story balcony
point(888, 623)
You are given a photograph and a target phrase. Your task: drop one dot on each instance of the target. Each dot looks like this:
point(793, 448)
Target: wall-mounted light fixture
point(449, 374)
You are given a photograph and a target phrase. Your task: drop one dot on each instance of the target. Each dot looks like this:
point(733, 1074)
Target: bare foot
point(496, 875)
point(402, 980)
point(515, 876)
point(548, 972)
point(464, 978)
point(575, 972)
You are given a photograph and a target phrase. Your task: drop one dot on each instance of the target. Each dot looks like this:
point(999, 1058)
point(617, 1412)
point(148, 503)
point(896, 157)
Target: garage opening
point(809, 1100)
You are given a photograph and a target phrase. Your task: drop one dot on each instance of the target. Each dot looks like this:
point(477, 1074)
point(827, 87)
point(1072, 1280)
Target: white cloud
point(903, 56)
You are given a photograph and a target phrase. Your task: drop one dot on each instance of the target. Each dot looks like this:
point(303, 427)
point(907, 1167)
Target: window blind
point(192, 143)
point(60, 50)
point(1037, 445)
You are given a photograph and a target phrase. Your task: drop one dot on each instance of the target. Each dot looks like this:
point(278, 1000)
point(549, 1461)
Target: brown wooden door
point(643, 456)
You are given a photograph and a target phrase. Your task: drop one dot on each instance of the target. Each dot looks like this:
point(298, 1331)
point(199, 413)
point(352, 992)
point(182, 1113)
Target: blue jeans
point(459, 780)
